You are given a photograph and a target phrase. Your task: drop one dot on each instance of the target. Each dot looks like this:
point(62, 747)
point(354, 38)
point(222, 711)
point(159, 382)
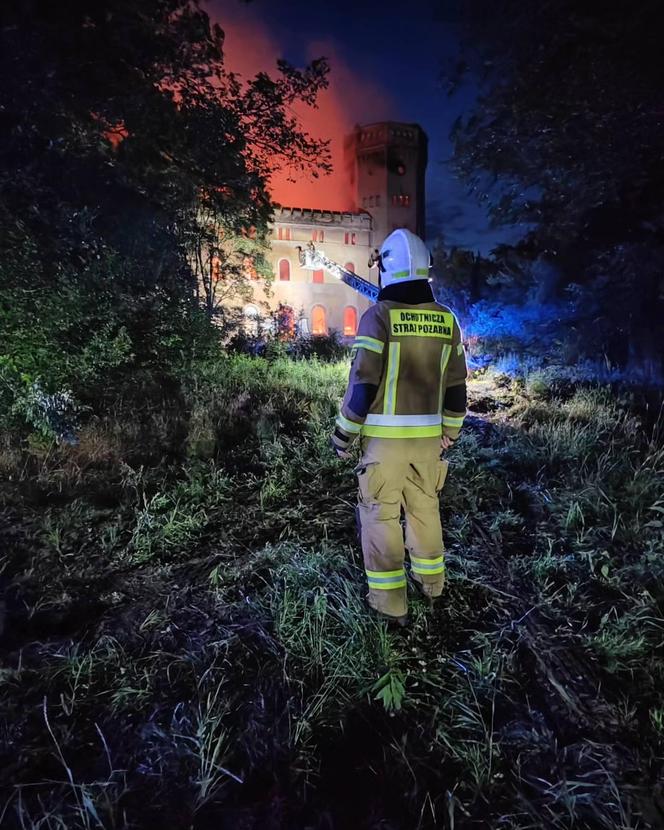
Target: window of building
point(318, 276)
point(346, 238)
point(353, 239)
point(350, 266)
point(350, 321)
point(318, 321)
point(377, 201)
point(284, 270)
point(321, 236)
point(284, 233)
point(215, 269)
point(250, 271)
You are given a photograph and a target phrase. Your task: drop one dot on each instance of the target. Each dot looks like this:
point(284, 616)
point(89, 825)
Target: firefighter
point(406, 401)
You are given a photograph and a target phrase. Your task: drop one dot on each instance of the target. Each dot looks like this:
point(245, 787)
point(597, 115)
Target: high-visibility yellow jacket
point(408, 375)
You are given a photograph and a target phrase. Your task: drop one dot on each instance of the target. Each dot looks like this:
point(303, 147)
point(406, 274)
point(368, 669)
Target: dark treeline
point(566, 140)
point(131, 163)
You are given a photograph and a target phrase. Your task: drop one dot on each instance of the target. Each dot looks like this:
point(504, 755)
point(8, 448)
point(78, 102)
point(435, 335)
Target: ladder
point(312, 259)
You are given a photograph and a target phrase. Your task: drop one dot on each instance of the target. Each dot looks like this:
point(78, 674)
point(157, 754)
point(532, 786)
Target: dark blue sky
point(399, 49)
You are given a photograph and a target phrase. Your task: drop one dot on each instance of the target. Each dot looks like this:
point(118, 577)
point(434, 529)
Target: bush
point(84, 337)
point(325, 347)
point(328, 348)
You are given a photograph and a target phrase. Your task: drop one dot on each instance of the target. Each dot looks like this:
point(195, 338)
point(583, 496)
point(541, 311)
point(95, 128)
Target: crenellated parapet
point(360, 220)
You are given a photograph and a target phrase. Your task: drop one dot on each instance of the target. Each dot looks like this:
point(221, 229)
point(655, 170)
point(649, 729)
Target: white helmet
point(403, 258)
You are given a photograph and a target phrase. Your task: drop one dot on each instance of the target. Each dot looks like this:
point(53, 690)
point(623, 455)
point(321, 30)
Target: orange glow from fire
point(318, 321)
point(216, 269)
point(349, 99)
point(249, 268)
point(350, 321)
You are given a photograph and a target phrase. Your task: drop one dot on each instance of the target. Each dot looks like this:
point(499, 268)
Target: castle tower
point(386, 164)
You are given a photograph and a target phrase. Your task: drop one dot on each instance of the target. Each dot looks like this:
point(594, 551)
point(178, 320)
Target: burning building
point(385, 165)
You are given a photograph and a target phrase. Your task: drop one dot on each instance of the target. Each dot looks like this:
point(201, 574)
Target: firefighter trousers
point(395, 476)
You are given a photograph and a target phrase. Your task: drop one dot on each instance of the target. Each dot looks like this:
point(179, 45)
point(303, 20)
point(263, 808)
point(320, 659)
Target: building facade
point(317, 301)
point(385, 164)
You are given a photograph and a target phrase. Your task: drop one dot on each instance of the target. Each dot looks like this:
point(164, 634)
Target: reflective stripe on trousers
point(395, 475)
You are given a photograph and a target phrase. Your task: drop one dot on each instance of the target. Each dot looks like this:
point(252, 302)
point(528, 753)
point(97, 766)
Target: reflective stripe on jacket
point(408, 374)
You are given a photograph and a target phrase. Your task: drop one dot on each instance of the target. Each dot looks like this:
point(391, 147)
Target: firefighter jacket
point(408, 373)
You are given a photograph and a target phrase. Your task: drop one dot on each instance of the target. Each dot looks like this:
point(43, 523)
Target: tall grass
point(196, 592)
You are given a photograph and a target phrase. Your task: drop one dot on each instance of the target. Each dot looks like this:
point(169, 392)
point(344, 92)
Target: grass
point(186, 633)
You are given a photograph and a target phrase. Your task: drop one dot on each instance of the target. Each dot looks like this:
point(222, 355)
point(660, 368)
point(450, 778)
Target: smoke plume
point(350, 99)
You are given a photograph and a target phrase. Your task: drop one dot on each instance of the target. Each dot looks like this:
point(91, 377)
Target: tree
point(119, 120)
point(133, 172)
point(566, 137)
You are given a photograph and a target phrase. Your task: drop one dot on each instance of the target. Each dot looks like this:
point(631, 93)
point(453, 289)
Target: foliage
point(565, 141)
point(324, 347)
point(154, 138)
point(133, 175)
point(90, 338)
point(195, 616)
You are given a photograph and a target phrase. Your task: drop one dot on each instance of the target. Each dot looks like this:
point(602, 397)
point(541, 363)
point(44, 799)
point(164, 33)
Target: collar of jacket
point(413, 292)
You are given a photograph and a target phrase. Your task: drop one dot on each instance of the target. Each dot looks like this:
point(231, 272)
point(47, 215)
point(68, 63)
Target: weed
point(233, 641)
point(657, 719)
point(624, 640)
point(390, 689)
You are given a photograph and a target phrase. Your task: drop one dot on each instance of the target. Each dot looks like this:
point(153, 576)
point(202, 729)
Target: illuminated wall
point(320, 299)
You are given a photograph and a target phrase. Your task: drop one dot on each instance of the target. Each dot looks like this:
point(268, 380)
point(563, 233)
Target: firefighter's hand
point(338, 451)
point(344, 454)
point(446, 442)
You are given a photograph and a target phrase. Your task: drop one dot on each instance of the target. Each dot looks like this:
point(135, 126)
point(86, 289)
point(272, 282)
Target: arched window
point(350, 321)
point(350, 266)
point(215, 269)
point(318, 276)
point(284, 270)
point(318, 321)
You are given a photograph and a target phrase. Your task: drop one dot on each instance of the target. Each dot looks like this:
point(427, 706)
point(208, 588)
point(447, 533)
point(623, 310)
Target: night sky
point(386, 62)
